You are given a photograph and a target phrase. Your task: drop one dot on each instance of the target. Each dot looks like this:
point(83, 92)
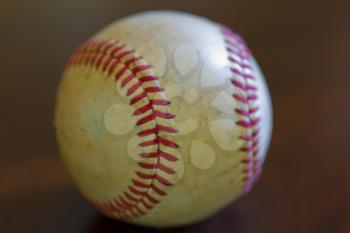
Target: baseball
point(163, 118)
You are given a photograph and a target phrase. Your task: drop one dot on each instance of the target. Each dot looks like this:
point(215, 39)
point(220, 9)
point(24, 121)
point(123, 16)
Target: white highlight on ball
point(187, 126)
point(155, 55)
point(191, 95)
point(202, 155)
point(133, 148)
point(118, 119)
point(181, 56)
point(224, 102)
point(225, 134)
point(213, 75)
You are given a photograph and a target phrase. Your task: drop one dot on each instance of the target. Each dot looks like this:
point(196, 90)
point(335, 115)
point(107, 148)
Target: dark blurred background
point(303, 48)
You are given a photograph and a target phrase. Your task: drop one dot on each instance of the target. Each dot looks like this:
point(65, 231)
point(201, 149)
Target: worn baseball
point(163, 118)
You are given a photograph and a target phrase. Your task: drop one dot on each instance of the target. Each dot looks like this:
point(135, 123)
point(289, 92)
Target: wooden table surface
point(303, 48)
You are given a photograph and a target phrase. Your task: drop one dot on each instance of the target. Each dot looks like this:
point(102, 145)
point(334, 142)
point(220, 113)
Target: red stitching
point(116, 49)
point(240, 98)
point(132, 60)
point(128, 196)
point(136, 99)
point(239, 61)
point(136, 191)
point(108, 46)
point(133, 88)
point(247, 113)
point(143, 109)
point(107, 57)
point(148, 79)
point(144, 194)
point(244, 87)
point(154, 89)
point(146, 205)
point(160, 102)
point(151, 199)
point(157, 165)
point(140, 184)
point(159, 140)
point(149, 143)
point(245, 99)
point(240, 58)
point(163, 154)
point(167, 142)
point(164, 115)
point(157, 190)
point(107, 63)
point(249, 123)
point(124, 54)
point(240, 73)
point(156, 129)
point(127, 80)
point(235, 48)
point(112, 66)
point(141, 68)
point(159, 178)
point(120, 73)
point(145, 119)
point(125, 203)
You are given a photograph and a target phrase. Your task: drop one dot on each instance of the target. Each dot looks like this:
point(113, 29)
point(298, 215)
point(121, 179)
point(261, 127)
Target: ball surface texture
point(163, 118)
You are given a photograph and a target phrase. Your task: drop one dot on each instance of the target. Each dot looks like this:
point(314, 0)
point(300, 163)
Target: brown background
point(303, 48)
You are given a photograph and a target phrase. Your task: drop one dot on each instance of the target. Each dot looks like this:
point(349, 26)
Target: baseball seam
point(152, 108)
point(246, 93)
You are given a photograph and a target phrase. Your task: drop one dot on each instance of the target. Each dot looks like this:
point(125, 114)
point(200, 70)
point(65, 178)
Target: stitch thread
point(245, 93)
point(131, 70)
